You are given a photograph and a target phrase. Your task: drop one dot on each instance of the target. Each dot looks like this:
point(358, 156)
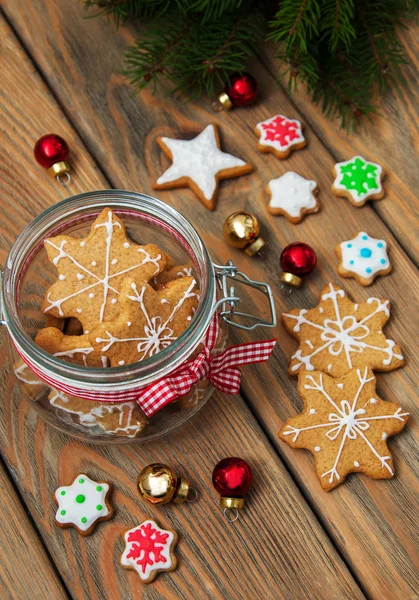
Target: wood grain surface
point(112, 135)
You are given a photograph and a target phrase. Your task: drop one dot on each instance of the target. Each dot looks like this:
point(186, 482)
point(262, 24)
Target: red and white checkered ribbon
point(220, 370)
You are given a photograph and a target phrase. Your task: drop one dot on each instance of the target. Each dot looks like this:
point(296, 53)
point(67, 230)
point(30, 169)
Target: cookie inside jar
point(106, 292)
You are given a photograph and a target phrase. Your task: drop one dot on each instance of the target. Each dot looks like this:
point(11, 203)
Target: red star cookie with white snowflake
point(280, 136)
point(149, 550)
point(345, 425)
point(199, 164)
point(150, 320)
point(92, 269)
point(339, 335)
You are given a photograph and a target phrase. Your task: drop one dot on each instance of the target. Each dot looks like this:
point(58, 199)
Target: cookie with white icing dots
point(149, 550)
point(72, 348)
point(150, 320)
point(199, 164)
point(91, 270)
point(339, 335)
point(32, 385)
point(358, 180)
point(123, 419)
point(363, 258)
point(292, 196)
point(345, 425)
point(83, 504)
point(280, 136)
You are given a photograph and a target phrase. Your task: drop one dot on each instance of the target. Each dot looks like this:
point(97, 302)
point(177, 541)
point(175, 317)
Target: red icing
point(148, 539)
point(281, 130)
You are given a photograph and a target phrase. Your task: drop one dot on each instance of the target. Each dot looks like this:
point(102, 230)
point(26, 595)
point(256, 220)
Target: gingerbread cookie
point(33, 386)
point(363, 258)
point(345, 425)
point(292, 196)
point(339, 335)
point(174, 273)
point(91, 271)
point(199, 164)
point(358, 180)
point(149, 550)
point(122, 419)
point(150, 321)
point(280, 136)
point(83, 504)
point(72, 348)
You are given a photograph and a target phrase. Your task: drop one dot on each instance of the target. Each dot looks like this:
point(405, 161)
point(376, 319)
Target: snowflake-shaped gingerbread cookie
point(149, 550)
point(199, 164)
point(345, 425)
point(339, 335)
point(91, 270)
point(280, 136)
point(72, 348)
point(358, 180)
point(292, 196)
point(150, 320)
point(363, 258)
point(83, 504)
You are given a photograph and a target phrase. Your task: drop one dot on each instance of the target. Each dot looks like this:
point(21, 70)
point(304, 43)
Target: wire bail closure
point(229, 302)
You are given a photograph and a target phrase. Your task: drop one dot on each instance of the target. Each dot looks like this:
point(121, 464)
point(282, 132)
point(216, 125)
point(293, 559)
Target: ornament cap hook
point(231, 514)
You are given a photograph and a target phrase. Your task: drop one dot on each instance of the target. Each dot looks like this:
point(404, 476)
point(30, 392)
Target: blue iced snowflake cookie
point(363, 258)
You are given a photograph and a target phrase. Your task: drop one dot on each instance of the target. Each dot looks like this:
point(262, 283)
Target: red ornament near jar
point(241, 90)
point(297, 260)
point(51, 151)
point(232, 479)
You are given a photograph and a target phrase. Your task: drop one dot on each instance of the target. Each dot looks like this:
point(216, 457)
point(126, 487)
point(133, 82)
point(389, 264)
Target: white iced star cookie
point(280, 136)
point(149, 550)
point(199, 164)
point(358, 180)
point(83, 504)
point(363, 258)
point(292, 196)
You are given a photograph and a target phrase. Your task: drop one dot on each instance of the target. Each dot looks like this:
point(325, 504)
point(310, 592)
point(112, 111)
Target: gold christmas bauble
point(241, 230)
point(159, 484)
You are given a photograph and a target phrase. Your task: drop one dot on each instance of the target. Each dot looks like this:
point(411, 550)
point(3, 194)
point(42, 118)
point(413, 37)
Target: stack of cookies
point(114, 303)
point(344, 423)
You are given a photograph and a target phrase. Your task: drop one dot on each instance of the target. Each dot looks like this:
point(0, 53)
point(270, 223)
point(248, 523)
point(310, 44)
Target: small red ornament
point(240, 91)
point(232, 478)
point(297, 260)
point(51, 152)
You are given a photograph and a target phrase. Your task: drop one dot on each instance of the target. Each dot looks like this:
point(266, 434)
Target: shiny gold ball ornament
point(241, 230)
point(159, 484)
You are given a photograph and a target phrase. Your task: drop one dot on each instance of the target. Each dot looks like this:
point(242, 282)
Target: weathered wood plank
point(278, 545)
point(20, 545)
point(82, 63)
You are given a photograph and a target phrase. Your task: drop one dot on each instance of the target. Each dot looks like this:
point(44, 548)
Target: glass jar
point(28, 273)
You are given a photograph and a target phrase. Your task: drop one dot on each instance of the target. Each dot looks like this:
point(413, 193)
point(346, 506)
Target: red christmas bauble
point(298, 259)
point(51, 149)
point(241, 89)
point(232, 477)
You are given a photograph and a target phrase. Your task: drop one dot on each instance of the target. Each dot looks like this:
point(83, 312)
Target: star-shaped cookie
point(91, 270)
point(363, 258)
point(339, 335)
point(72, 348)
point(150, 320)
point(199, 164)
point(358, 180)
point(345, 425)
point(280, 136)
point(292, 196)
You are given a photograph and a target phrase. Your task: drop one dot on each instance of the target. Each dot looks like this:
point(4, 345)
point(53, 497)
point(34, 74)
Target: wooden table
point(62, 73)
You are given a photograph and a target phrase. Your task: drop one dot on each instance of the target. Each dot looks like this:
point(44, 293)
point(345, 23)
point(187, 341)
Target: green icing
point(81, 480)
point(83, 520)
point(62, 493)
point(99, 507)
point(63, 512)
point(80, 499)
point(99, 488)
point(359, 176)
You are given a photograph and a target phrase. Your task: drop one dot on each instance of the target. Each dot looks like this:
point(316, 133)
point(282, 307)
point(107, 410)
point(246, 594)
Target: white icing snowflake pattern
point(363, 256)
point(199, 160)
point(292, 195)
point(157, 333)
point(340, 423)
point(340, 336)
point(89, 283)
